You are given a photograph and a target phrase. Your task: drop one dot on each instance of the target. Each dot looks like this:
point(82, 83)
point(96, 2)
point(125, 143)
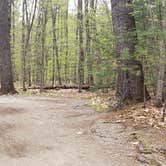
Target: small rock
point(80, 133)
point(135, 143)
point(148, 160)
point(120, 121)
point(143, 159)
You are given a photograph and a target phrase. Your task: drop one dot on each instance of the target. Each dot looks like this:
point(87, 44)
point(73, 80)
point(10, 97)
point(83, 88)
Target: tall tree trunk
point(161, 84)
point(75, 65)
point(93, 40)
point(23, 48)
point(44, 19)
point(55, 46)
point(29, 26)
point(66, 40)
point(81, 50)
point(13, 35)
point(88, 44)
point(37, 49)
point(130, 77)
point(7, 85)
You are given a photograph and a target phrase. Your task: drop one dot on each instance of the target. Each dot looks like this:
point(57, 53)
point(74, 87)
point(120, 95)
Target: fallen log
point(84, 87)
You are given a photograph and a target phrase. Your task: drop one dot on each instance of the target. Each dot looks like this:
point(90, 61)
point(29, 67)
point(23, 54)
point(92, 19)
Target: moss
point(98, 107)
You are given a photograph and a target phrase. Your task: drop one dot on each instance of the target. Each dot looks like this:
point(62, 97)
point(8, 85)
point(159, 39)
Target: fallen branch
point(84, 87)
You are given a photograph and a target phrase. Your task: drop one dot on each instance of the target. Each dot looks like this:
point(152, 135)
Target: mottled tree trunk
point(130, 78)
point(161, 84)
point(5, 51)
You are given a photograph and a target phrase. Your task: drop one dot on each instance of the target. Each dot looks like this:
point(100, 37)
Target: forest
point(104, 52)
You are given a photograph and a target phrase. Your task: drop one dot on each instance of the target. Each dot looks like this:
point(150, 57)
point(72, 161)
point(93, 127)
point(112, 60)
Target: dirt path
point(45, 131)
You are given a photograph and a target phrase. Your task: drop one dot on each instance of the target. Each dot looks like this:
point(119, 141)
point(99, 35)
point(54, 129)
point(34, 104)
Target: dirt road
point(45, 131)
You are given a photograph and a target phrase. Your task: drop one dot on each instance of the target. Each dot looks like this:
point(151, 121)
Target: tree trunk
point(37, 49)
point(130, 77)
point(93, 40)
point(88, 44)
point(161, 84)
point(81, 50)
point(44, 19)
point(13, 37)
point(23, 48)
point(55, 45)
point(66, 41)
point(5, 50)
point(26, 49)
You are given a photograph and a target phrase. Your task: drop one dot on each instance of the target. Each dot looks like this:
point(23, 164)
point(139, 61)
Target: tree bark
point(130, 77)
point(6, 74)
point(13, 26)
point(161, 84)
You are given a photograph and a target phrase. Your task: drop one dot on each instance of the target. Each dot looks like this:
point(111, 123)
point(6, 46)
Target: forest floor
point(64, 129)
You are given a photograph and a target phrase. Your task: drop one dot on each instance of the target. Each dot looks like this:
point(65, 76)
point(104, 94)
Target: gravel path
point(45, 131)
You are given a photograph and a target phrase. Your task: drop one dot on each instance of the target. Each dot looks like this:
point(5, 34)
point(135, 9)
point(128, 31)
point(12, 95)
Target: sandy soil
point(45, 131)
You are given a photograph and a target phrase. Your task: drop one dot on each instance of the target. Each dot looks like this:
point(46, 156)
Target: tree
point(44, 21)
point(88, 53)
point(23, 51)
point(7, 85)
point(60, 46)
point(27, 24)
point(66, 39)
point(130, 77)
point(54, 11)
point(161, 84)
point(81, 50)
